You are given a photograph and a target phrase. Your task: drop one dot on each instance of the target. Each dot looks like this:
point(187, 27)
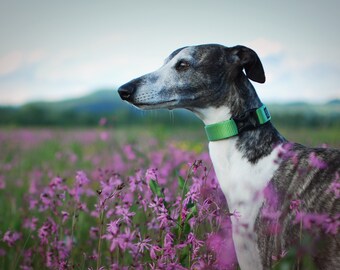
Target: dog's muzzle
point(126, 91)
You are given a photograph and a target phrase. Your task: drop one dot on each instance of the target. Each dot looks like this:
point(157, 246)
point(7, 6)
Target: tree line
point(35, 115)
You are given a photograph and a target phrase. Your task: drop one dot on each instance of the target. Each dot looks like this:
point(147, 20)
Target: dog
point(279, 188)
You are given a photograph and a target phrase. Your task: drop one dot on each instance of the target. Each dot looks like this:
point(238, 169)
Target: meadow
point(117, 198)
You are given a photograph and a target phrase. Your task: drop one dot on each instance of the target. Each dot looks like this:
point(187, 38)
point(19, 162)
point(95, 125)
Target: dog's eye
point(182, 65)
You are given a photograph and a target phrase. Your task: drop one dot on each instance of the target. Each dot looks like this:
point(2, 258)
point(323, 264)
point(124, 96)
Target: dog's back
point(302, 208)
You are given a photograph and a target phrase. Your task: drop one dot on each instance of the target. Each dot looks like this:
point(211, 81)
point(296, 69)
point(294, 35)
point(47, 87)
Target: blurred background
point(63, 125)
point(61, 62)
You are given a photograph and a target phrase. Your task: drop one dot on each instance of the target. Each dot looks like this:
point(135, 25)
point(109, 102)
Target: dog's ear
point(248, 60)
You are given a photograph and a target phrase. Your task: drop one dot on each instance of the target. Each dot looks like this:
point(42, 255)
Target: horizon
point(96, 45)
point(106, 89)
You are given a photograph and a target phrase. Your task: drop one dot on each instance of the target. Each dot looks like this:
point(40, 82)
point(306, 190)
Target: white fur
point(242, 184)
point(166, 75)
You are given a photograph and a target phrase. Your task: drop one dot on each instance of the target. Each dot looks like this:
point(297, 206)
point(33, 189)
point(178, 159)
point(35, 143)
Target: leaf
point(186, 228)
point(183, 257)
point(156, 189)
point(182, 184)
point(176, 230)
point(190, 204)
point(192, 213)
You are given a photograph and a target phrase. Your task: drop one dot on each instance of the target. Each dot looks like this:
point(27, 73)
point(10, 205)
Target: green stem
point(73, 226)
point(189, 257)
point(298, 259)
point(21, 251)
point(181, 208)
point(117, 254)
point(101, 223)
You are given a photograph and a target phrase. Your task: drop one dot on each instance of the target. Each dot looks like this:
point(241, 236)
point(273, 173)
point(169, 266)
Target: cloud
point(295, 76)
point(15, 60)
point(10, 62)
point(311, 81)
point(22, 91)
point(113, 60)
point(266, 47)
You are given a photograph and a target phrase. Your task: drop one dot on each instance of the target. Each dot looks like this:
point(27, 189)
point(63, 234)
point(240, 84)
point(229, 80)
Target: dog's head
point(194, 77)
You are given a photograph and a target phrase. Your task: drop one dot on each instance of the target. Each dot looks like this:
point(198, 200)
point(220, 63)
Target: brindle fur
point(296, 178)
point(215, 78)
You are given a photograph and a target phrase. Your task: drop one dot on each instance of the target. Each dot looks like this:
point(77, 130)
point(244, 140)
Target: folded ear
point(249, 61)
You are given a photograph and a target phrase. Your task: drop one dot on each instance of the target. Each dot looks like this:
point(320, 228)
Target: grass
point(31, 158)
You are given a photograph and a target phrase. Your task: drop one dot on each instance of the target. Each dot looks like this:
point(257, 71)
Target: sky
point(53, 50)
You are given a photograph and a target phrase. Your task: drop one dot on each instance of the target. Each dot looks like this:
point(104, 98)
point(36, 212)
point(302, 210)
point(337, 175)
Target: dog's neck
point(253, 144)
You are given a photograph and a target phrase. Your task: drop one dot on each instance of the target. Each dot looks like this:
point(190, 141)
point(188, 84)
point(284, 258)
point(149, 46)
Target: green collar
point(249, 120)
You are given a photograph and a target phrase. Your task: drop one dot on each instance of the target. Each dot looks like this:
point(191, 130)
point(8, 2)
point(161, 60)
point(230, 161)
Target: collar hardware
point(249, 120)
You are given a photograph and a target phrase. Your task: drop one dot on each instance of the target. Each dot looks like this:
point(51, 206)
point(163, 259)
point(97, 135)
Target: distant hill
point(87, 110)
point(334, 102)
point(101, 101)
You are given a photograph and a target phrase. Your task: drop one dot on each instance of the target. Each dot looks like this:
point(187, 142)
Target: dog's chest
point(242, 183)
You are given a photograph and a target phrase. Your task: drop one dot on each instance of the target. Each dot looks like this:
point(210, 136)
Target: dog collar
point(249, 120)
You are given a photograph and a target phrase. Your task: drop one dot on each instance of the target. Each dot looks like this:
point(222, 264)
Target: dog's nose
point(126, 91)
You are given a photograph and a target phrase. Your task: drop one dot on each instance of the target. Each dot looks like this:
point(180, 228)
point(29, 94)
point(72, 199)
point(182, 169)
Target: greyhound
point(279, 188)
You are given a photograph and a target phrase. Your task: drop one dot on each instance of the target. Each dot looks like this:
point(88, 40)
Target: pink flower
point(142, 202)
point(43, 233)
point(153, 250)
point(280, 256)
point(295, 205)
point(130, 154)
point(94, 232)
point(196, 244)
point(143, 244)
point(113, 227)
point(316, 162)
point(11, 237)
point(193, 195)
point(335, 186)
point(47, 198)
point(110, 186)
point(287, 153)
point(114, 241)
point(125, 214)
point(30, 224)
point(269, 209)
point(223, 249)
point(136, 182)
point(48, 228)
point(157, 204)
point(64, 216)
point(309, 220)
point(102, 121)
point(169, 250)
point(332, 225)
point(151, 174)
point(197, 164)
point(236, 214)
point(81, 179)
point(32, 203)
point(126, 240)
point(104, 136)
point(164, 218)
point(49, 259)
point(56, 183)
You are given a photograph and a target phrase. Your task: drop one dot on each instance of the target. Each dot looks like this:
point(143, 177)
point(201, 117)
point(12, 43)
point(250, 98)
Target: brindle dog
point(213, 82)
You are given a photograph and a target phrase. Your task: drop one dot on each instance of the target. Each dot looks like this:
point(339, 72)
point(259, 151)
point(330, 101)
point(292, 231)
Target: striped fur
point(260, 172)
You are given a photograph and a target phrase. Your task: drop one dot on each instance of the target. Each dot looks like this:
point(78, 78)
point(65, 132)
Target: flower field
point(101, 199)
point(84, 200)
